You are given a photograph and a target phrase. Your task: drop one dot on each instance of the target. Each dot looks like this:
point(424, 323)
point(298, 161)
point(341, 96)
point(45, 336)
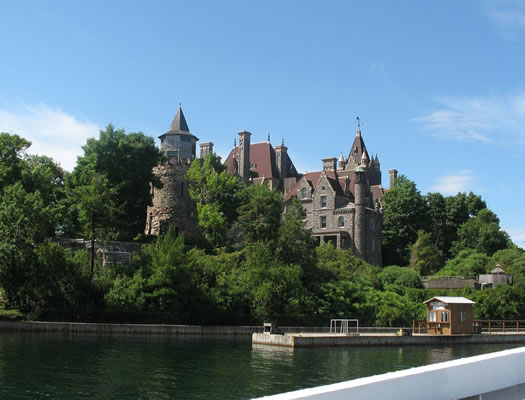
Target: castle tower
point(243, 157)
point(360, 227)
point(172, 205)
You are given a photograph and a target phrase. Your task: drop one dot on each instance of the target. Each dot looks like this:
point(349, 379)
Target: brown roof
point(262, 161)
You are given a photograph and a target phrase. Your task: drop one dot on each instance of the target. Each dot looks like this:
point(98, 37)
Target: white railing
point(501, 374)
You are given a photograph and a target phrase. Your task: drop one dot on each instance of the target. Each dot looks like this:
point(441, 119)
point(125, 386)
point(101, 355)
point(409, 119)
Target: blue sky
point(439, 86)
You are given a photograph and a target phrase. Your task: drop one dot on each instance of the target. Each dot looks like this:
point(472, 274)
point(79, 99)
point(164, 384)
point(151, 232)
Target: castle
point(342, 201)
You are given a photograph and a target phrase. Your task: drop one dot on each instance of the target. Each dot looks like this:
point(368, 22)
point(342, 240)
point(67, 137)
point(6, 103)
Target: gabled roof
point(451, 300)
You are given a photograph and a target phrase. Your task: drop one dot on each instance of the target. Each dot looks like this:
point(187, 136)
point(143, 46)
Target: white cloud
point(51, 131)
point(517, 235)
point(450, 185)
point(483, 119)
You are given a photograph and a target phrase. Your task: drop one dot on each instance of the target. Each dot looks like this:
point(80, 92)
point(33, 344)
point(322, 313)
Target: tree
point(215, 194)
point(259, 213)
point(468, 262)
point(12, 148)
point(481, 233)
point(126, 161)
point(97, 210)
point(405, 212)
point(425, 257)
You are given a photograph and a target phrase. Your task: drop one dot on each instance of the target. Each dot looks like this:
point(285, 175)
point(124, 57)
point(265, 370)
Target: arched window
point(304, 192)
point(341, 222)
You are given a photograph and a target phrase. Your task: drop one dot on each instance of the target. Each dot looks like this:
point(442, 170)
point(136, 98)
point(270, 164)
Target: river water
point(54, 366)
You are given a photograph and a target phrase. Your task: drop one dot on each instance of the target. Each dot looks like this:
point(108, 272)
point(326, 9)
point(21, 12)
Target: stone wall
point(172, 205)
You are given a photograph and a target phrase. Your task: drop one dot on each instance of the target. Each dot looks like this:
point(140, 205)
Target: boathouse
point(449, 316)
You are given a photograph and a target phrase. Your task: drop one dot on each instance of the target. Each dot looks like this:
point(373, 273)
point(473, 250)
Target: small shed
point(449, 316)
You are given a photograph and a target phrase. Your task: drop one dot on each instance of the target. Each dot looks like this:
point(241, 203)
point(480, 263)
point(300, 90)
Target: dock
point(298, 340)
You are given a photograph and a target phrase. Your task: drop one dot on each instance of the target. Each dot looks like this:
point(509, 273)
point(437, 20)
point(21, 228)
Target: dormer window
point(304, 192)
point(341, 222)
point(323, 201)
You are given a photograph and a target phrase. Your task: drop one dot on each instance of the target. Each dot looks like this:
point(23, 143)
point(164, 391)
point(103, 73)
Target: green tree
point(405, 213)
point(12, 148)
point(259, 213)
point(425, 257)
point(468, 262)
point(97, 210)
point(215, 194)
point(127, 161)
point(481, 233)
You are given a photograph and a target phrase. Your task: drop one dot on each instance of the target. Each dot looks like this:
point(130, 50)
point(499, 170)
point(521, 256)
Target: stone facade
point(343, 202)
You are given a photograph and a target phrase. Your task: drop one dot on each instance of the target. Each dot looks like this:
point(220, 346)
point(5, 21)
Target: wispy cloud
point(482, 119)
point(52, 131)
point(452, 184)
point(508, 15)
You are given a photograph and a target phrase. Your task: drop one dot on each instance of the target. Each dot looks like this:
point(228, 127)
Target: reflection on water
point(38, 366)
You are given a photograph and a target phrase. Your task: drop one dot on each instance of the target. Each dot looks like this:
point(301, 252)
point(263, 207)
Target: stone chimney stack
point(329, 164)
point(243, 157)
point(393, 176)
point(206, 148)
point(281, 160)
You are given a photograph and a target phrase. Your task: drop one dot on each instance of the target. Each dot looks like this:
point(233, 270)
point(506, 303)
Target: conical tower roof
point(179, 123)
point(179, 126)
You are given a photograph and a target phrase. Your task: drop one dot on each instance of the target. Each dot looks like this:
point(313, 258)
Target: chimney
point(244, 155)
point(329, 164)
point(281, 160)
point(393, 176)
point(206, 148)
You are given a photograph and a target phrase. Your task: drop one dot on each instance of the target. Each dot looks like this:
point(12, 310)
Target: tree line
point(253, 258)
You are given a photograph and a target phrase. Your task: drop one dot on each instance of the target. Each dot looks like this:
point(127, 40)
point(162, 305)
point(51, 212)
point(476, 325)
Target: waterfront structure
point(449, 316)
point(342, 201)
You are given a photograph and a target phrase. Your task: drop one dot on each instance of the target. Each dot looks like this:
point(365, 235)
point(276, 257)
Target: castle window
point(323, 201)
point(341, 222)
point(323, 221)
point(373, 244)
point(323, 188)
point(304, 192)
point(371, 223)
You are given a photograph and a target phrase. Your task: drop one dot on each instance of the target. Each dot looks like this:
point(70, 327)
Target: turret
point(341, 164)
point(179, 142)
point(360, 229)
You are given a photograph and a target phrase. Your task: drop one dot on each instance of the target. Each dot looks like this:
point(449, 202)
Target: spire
point(364, 159)
point(341, 158)
point(179, 122)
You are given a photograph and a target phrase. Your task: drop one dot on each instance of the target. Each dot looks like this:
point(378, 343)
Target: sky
point(439, 86)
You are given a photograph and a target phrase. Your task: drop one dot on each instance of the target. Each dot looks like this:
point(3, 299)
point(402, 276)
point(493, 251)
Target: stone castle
point(342, 201)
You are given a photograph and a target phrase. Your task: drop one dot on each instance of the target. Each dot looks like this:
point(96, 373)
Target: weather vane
point(358, 120)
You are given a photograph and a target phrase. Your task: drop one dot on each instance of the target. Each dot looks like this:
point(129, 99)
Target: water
point(39, 366)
